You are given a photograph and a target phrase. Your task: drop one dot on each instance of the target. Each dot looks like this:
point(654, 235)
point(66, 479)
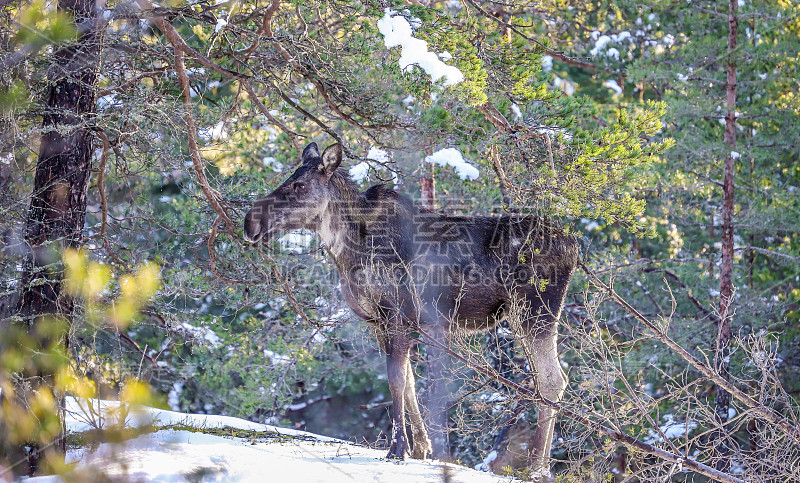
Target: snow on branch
point(452, 157)
point(397, 31)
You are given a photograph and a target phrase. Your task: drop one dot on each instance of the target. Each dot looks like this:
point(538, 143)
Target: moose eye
point(299, 186)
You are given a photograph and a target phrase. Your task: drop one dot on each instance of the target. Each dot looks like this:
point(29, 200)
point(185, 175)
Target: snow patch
point(547, 63)
point(599, 44)
point(202, 333)
point(590, 224)
point(297, 241)
point(612, 84)
point(173, 398)
point(397, 31)
point(484, 466)
point(671, 429)
point(273, 163)
point(221, 23)
point(565, 85)
point(213, 133)
point(277, 359)
point(378, 155)
point(359, 171)
point(452, 157)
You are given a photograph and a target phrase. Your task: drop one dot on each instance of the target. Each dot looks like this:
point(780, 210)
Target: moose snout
point(252, 226)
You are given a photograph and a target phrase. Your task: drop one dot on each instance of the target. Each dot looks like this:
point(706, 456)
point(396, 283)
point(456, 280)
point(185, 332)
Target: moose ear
point(331, 158)
point(310, 152)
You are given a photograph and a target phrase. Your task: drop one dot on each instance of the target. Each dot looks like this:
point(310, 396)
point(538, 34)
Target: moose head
point(300, 201)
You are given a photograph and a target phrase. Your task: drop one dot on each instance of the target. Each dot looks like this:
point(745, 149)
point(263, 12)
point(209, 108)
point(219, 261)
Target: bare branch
point(619, 436)
point(705, 369)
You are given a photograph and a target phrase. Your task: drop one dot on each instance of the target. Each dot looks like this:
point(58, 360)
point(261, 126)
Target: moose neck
point(338, 226)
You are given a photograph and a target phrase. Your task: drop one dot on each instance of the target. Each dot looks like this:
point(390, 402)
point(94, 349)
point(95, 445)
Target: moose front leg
point(397, 360)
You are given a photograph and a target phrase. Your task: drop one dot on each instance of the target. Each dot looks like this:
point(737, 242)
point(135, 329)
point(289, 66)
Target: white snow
point(221, 23)
point(170, 455)
point(396, 31)
point(735, 155)
point(516, 110)
point(565, 85)
point(378, 155)
point(672, 429)
point(624, 35)
point(105, 101)
point(173, 398)
point(452, 157)
point(682, 77)
point(296, 241)
point(359, 171)
point(273, 163)
point(547, 63)
point(277, 359)
point(215, 132)
point(612, 84)
point(202, 333)
point(590, 224)
point(600, 43)
point(484, 466)
point(612, 52)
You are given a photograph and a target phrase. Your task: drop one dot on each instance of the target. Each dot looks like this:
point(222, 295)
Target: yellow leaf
point(75, 263)
point(135, 392)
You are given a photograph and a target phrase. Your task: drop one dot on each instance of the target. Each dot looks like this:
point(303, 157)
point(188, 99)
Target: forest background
point(664, 134)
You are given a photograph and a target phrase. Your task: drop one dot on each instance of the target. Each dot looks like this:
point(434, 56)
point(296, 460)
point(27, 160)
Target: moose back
point(407, 269)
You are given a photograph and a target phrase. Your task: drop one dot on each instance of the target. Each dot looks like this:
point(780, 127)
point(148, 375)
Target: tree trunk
point(723, 352)
point(56, 216)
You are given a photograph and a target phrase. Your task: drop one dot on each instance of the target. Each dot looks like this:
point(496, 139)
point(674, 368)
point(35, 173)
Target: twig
point(194, 150)
point(495, 117)
point(265, 26)
point(261, 107)
point(704, 368)
point(101, 170)
point(619, 436)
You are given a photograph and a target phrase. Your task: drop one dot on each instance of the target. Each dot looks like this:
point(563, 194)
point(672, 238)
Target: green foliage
point(635, 174)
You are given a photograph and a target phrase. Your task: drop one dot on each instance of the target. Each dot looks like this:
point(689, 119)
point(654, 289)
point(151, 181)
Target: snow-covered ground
point(273, 455)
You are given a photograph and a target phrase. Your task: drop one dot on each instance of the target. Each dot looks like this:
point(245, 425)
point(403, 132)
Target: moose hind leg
point(551, 382)
point(422, 444)
point(397, 347)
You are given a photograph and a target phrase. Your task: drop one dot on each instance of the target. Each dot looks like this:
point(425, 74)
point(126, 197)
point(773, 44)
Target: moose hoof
point(397, 451)
point(421, 451)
